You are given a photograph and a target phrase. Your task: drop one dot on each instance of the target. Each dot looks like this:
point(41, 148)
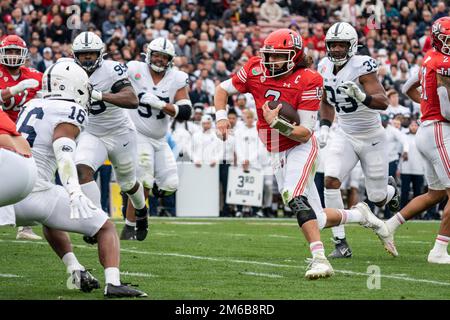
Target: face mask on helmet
point(339, 56)
point(88, 65)
point(13, 57)
point(159, 61)
point(277, 63)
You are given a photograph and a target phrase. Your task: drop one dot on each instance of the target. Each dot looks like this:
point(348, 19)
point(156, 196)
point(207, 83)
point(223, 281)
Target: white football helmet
point(88, 42)
point(161, 45)
point(341, 32)
point(66, 80)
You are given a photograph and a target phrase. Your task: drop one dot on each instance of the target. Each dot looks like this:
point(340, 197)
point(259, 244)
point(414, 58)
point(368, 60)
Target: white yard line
point(267, 275)
point(8, 275)
point(137, 274)
point(237, 261)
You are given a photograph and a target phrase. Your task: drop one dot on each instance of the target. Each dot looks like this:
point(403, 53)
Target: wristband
point(221, 115)
point(283, 127)
point(367, 100)
point(325, 122)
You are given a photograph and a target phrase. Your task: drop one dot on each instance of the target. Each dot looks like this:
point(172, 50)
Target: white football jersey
point(104, 117)
point(353, 116)
point(37, 123)
point(151, 122)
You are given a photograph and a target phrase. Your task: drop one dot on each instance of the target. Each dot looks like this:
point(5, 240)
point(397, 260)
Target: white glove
point(153, 101)
point(323, 137)
point(353, 91)
point(96, 95)
point(23, 85)
point(80, 205)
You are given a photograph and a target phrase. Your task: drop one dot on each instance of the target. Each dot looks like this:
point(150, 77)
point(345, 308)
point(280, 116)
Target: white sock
point(71, 262)
point(350, 216)
point(129, 223)
point(395, 221)
point(441, 244)
point(390, 193)
point(317, 249)
point(92, 191)
point(333, 199)
point(112, 275)
point(138, 198)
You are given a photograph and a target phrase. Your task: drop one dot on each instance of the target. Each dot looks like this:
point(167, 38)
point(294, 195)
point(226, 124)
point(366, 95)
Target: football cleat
point(394, 204)
point(318, 267)
point(82, 280)
point(26, 233)
point(369, 220)
point(141, 224)
point(342, 249)
point(440, 258)
point(123, 291)
point(90, 240)
point(128, 233)
point(389, 243)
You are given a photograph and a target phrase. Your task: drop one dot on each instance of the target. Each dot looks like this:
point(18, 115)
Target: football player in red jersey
point(18, 84)
point(280, 73)
point(433, 137)
point(16, 166)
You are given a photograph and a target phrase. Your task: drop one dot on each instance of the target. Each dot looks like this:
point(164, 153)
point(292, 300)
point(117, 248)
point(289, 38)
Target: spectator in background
point(21, 27)
point(350, 11)
point(47, 60)
point(100, 13)
point(34, 56)
point(182, 49)
point(271, 11)
point(411, 168)
point(58, 30)
point(205, 144)
point(112, 25)
point(199, 94)
point(394, 108)
point(441, 11)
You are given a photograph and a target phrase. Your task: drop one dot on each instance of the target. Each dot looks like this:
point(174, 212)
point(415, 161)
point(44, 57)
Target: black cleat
point(90, 240)
point(141, 224)
point(82, 280)
point(123, 291)
point(128, 233)
point(342, 249)
point(394, 204)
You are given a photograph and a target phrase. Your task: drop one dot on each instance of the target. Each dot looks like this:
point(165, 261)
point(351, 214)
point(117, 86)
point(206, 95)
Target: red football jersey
point(12, 106)
point(302, 89)
point(434, 62)
point(7, 126)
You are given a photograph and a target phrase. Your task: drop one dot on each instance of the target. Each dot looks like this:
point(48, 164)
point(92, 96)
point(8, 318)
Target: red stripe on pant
point(306, 169)
point(441, 147)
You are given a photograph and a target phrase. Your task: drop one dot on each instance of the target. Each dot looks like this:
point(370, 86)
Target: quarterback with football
point(110, 133)
point(163, 94)
point(433, 137)
point(281, 74)
point(360, 135)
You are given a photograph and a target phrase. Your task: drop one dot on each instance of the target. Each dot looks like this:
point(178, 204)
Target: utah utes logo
point(436, 28)
point(297, 41)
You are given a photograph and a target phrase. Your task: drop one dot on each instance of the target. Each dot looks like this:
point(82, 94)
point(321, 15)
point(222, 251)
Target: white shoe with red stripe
point(438, 257)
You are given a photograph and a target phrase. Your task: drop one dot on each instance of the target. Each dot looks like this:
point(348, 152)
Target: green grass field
point(231, 259)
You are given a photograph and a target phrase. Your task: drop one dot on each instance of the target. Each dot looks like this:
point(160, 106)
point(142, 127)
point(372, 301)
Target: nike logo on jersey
point(375, 143)
point(125, 144)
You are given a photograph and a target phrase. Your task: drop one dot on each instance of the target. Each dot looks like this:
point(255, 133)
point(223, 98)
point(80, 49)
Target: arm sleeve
point(308, 119)
point(312, 93)
point(409, 83)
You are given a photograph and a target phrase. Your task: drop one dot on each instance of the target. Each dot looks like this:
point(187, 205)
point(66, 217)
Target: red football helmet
point(283, 41)
point(440, 35)
point(13, 60)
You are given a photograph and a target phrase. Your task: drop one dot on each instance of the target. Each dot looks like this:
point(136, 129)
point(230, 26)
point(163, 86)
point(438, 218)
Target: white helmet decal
point(68, 81)
point(341, 32)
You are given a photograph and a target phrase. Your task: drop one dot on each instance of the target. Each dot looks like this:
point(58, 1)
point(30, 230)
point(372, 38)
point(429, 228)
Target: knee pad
point(126, 186)
point(302, 209)
point(159, 192)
